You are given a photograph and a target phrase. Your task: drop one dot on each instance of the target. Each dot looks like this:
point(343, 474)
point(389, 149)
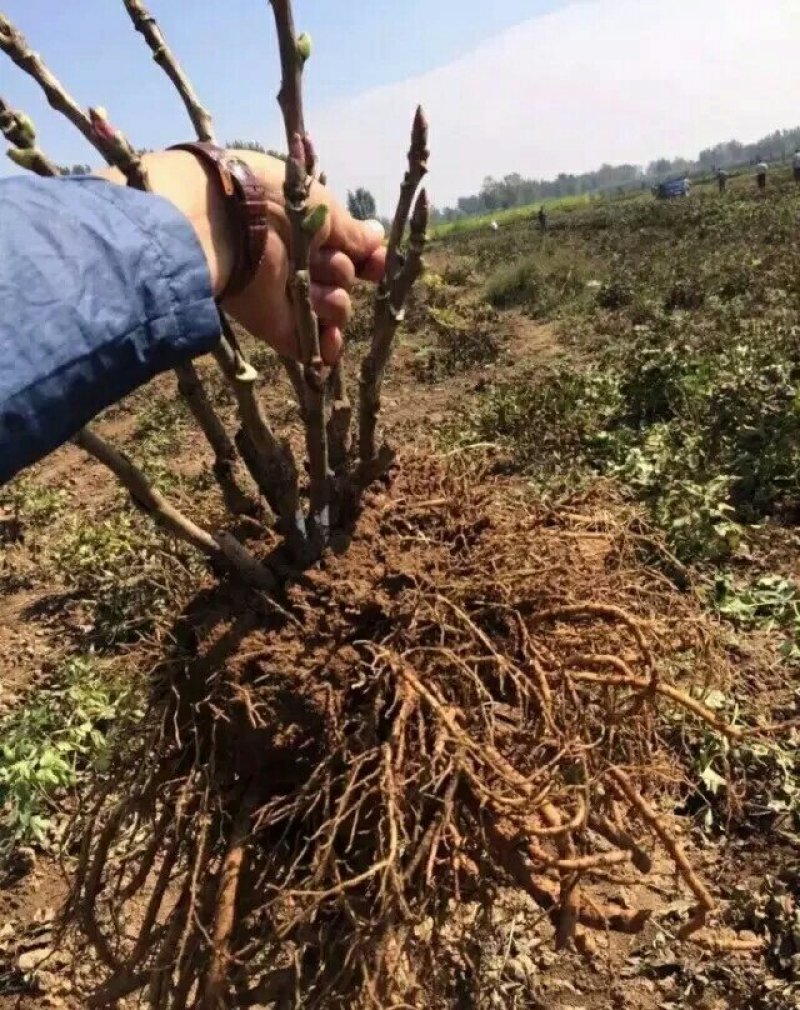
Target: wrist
point(179, 177)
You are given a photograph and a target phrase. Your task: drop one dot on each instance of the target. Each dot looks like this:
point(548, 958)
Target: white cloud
point(604, 80)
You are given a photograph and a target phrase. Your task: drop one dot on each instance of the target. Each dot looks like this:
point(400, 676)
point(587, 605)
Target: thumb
point(356, 239)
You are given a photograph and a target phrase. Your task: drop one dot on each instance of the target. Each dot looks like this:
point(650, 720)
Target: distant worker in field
point(761, 176)
point(542, 216)
point(722, 180)
point(494, 226)
point(796, 165)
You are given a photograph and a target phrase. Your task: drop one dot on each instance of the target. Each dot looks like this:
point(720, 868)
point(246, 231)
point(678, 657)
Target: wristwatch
point(245, 200)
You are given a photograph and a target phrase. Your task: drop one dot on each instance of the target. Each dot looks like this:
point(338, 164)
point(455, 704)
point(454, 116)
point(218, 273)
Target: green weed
point(466, 334)
point(125, 572)
point(34, 504)
point(48, 744)
point(769, 602)
point(702, 428)
point(545, 419)
point(540, 282)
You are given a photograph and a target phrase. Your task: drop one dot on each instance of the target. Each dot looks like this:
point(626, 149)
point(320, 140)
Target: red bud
point(310, 155)
point(101, 126)
point(419, 132)
point(419, 217)
point(297, 151)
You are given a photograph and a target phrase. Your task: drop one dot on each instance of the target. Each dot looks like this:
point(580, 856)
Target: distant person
point(761, 176)
point(722, 180)
point(796, 165)
point(494, 226)
point(542, 216)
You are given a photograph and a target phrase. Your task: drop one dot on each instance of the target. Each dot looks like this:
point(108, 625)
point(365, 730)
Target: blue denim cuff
point(101, 288)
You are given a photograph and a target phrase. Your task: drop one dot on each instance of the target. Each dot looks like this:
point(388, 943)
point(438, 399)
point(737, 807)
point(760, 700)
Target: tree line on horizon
point(515, 190)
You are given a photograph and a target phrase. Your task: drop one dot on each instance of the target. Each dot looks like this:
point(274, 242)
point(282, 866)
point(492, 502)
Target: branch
point(18, 128)
point(339, 420)
point(418, 155)
point(225, 469)
point(14, 45)
point(19, 131)
point(146, 24)
point(400, 275)
point(119, 152)
point(223, 549)
point(269, 459)
point(294, 371)
point(294, 51)
point(300, 167)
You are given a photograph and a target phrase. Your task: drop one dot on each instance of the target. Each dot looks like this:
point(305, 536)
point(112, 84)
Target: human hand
point(342, 250)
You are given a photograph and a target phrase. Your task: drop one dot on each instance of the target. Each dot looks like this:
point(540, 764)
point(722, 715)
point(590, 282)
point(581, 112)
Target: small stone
point(31, 959)
point(564, 985)
point(22, 862)
point(546, 958)
point(54, 1002)
point(515, 971)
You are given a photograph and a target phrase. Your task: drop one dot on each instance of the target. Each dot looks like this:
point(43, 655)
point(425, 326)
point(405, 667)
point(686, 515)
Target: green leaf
point(315, 220)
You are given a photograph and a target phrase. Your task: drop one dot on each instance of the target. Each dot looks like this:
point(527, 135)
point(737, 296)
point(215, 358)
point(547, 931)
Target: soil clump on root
point(470, 695)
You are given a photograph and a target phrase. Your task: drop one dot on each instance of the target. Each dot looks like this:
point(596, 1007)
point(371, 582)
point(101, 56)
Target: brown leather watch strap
point(246, 205)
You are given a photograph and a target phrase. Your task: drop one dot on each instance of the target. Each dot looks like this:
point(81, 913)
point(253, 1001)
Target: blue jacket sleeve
point(101, 288)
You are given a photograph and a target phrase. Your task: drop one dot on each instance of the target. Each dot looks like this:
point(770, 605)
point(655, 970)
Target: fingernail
point(375, 227)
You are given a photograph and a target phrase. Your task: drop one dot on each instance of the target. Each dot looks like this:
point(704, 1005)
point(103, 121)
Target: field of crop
point(582, 577)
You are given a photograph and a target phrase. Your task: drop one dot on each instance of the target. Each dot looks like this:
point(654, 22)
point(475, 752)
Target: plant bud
point(25, 157)
point(26, 128)
point(297, 151)
point(101, 126)
point(419, 139)
point(419, 216)
point(315, 220)
point(303, 46)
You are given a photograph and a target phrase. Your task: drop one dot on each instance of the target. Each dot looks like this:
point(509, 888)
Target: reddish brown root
point(410, 730)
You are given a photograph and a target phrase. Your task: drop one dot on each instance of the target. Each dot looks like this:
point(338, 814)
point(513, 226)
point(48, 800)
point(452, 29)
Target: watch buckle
point(227, 180)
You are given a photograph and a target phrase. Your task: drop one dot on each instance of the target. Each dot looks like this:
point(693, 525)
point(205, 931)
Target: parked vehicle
point(672, 189)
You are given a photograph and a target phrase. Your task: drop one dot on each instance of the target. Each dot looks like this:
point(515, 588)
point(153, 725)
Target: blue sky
point(228, 48)
point(531, 86)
